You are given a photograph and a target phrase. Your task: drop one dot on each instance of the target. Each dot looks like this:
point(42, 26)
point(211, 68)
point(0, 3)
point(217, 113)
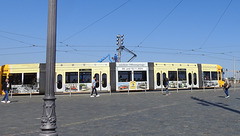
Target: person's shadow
point(219, 105)
point(13, 101)
point(221, 96)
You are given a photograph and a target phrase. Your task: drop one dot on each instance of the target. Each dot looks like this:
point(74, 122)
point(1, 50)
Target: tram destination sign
point(131, 68)
point(133, 64)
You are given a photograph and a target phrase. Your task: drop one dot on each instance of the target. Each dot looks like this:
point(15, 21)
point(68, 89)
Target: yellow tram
point(119, 76)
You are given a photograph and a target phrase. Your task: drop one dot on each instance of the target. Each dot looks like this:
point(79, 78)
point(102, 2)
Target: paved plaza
point(197, 113)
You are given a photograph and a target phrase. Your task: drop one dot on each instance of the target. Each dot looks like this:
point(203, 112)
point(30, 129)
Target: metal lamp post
point(48, 120)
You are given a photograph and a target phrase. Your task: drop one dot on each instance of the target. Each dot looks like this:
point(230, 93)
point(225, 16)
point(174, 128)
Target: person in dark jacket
point(166, 82)
point(6, 87)
point(226, 86)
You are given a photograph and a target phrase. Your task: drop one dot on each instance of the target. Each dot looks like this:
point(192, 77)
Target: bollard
point(11, 93)
point(128, 91)
point(30, 93)
point(203, 86)
point(214, 89)
point(162, 88)
point(110, 90)
point(191, 87)
point(70, 94)
point(234, 86)
point(177, 87)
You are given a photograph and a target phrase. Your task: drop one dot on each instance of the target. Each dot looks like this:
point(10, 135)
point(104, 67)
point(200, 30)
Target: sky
point(177, 31)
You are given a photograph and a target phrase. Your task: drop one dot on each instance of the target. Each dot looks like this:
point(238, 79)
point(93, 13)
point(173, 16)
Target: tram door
point(192, 80)
point(101, 77)
point(160, 79)
point(59, 82)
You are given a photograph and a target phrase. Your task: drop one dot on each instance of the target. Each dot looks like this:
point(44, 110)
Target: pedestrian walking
point(94, 81)
point(6, 87)
point(226, 86)
point(166, 82)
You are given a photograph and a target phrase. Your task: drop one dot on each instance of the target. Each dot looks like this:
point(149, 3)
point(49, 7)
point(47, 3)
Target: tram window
point(172, 75)
point(214, 75)
point(189, 78)
point(3, 79)
point(182, 76)
point(219, 75)
point(59, 81)
point(164, 76)
point(195, 79)
point(104, 80)
point(30, 78)
point(158, 79)
point(71, 77)
point(140, 76)
point(85, 77)
point(124, 76)
point(15, 79)
point(206, 75)
point(97, 79)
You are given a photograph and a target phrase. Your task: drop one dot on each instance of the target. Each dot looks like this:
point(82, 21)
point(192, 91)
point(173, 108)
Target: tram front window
point(15, 79)
point(3, 79)
point(214, 75)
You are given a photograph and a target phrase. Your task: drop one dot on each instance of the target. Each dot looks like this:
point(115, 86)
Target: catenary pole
point(234, 70)
point(48, 120)
point(119, 51)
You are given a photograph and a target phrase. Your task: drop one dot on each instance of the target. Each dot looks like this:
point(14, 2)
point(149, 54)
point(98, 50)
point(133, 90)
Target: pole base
point(47, 133)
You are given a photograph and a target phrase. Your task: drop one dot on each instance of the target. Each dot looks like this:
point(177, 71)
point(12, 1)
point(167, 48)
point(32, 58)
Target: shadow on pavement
point(14, 101)
point(220, 105)
point(238, 98)
point(203, 104)
point(221, 96)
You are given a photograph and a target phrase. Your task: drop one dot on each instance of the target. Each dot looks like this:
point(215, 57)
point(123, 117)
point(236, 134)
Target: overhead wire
point(27, 36)
point(183, 53)
point(20, 41)
point(25, 53)
point(7, 48)
point(192, 49)
point(215, 26)
point(91, 24)
point(186, 50)
point(67, 45)
point(155, 28)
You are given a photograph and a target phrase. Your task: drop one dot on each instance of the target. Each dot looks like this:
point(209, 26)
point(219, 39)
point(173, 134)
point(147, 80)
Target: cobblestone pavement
point(197, 113)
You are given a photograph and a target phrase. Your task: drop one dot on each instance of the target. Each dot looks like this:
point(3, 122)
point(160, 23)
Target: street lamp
point(48, 120)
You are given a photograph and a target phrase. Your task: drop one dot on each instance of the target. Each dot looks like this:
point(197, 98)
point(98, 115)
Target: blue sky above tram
point(199, 31)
